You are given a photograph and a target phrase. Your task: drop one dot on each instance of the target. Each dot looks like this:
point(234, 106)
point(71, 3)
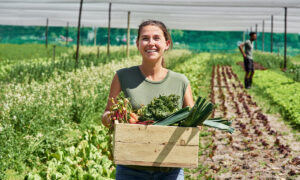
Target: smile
point(150, 51)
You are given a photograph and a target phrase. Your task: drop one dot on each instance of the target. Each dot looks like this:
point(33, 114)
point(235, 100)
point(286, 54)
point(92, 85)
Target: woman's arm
point(188, 97)
point(115, 89)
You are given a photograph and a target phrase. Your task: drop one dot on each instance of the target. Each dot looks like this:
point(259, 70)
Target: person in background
point(248, 59)
point(144, 82)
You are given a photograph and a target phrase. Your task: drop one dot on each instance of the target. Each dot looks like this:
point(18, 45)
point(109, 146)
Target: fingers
point(106, 119)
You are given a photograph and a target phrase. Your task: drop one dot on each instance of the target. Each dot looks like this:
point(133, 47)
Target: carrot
point(133, 118)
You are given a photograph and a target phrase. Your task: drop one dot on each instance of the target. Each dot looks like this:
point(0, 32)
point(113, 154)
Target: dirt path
point(261, 147)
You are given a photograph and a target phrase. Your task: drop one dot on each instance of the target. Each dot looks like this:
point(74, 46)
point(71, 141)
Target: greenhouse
point(61, 103)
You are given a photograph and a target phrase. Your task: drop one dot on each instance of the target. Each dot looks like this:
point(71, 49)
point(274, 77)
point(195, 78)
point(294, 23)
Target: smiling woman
point(153, 40)
point(145, 82)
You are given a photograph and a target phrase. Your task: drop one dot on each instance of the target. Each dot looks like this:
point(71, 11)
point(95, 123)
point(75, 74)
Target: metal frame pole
point(285, 37)
point(78, 35)
point(256, 36)
point(108, 33)
point(46, 33)
point(272, 33)
point(95, 36)
point(128, 34)
point(67, 33)
point(263, 36)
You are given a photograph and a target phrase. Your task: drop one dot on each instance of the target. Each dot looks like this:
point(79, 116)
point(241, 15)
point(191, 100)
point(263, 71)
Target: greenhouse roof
point(208, 15)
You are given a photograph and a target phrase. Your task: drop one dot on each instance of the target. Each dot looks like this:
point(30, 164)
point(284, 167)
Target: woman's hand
point(106, 120)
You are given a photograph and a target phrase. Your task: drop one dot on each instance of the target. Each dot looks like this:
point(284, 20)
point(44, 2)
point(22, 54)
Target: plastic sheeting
point(210, 15)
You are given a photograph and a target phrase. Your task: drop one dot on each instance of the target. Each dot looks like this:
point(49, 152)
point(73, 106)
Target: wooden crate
point(164, 146)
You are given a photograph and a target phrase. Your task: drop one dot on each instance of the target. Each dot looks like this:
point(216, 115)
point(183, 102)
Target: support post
point(128, 34)
point(243, 36)
point(263, 36)
point(272, 34)
point(67, 33)
point(78, 35)
point(108, 33)
point(285, 37)
point(46, 33)
point(256, 36)
point(95, 36)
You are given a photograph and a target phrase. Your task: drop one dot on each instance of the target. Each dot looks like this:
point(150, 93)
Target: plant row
point(42, 69)
point(240, 98)
point(281, 91)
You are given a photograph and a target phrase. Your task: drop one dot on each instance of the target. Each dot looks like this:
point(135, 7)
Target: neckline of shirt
point(153, 82)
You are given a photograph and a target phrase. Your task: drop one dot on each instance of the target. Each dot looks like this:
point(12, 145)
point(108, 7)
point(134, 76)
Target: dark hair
point(164, 29)
point(252, 33)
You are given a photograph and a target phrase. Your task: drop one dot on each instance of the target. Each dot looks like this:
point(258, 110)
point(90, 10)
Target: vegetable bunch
point(197, 116)
point(120, 109)
point(159, 108)
point(164, 111)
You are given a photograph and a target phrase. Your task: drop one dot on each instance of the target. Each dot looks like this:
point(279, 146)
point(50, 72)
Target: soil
point(257, 66)
point(262, 146)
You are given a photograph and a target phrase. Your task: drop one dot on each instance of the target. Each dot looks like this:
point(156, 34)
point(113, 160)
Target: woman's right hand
point(106, 120)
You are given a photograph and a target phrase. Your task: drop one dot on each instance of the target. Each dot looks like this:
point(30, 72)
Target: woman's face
point(152, 43)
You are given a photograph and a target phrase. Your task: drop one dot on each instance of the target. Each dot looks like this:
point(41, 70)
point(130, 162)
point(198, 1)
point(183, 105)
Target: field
point(50, 113)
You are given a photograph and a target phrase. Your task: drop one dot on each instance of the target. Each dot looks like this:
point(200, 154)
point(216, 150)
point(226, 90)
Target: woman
point(144, 82)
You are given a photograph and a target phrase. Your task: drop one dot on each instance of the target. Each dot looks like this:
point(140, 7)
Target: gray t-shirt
point(141, 90)
point(248, 48)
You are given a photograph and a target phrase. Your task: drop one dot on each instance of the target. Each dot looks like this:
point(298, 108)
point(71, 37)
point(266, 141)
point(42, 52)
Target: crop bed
point(282, 92)
point(261, 146)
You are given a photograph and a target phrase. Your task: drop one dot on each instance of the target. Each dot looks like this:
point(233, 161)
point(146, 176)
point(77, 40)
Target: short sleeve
point(186, 82)
point(121, 73)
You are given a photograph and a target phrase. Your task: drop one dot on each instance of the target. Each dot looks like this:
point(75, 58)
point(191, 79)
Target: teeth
point(151, 50)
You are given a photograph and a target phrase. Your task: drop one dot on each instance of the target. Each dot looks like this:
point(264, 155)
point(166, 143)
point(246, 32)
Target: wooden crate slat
point(165, 146)
point(169, 155)
point(157, 134)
